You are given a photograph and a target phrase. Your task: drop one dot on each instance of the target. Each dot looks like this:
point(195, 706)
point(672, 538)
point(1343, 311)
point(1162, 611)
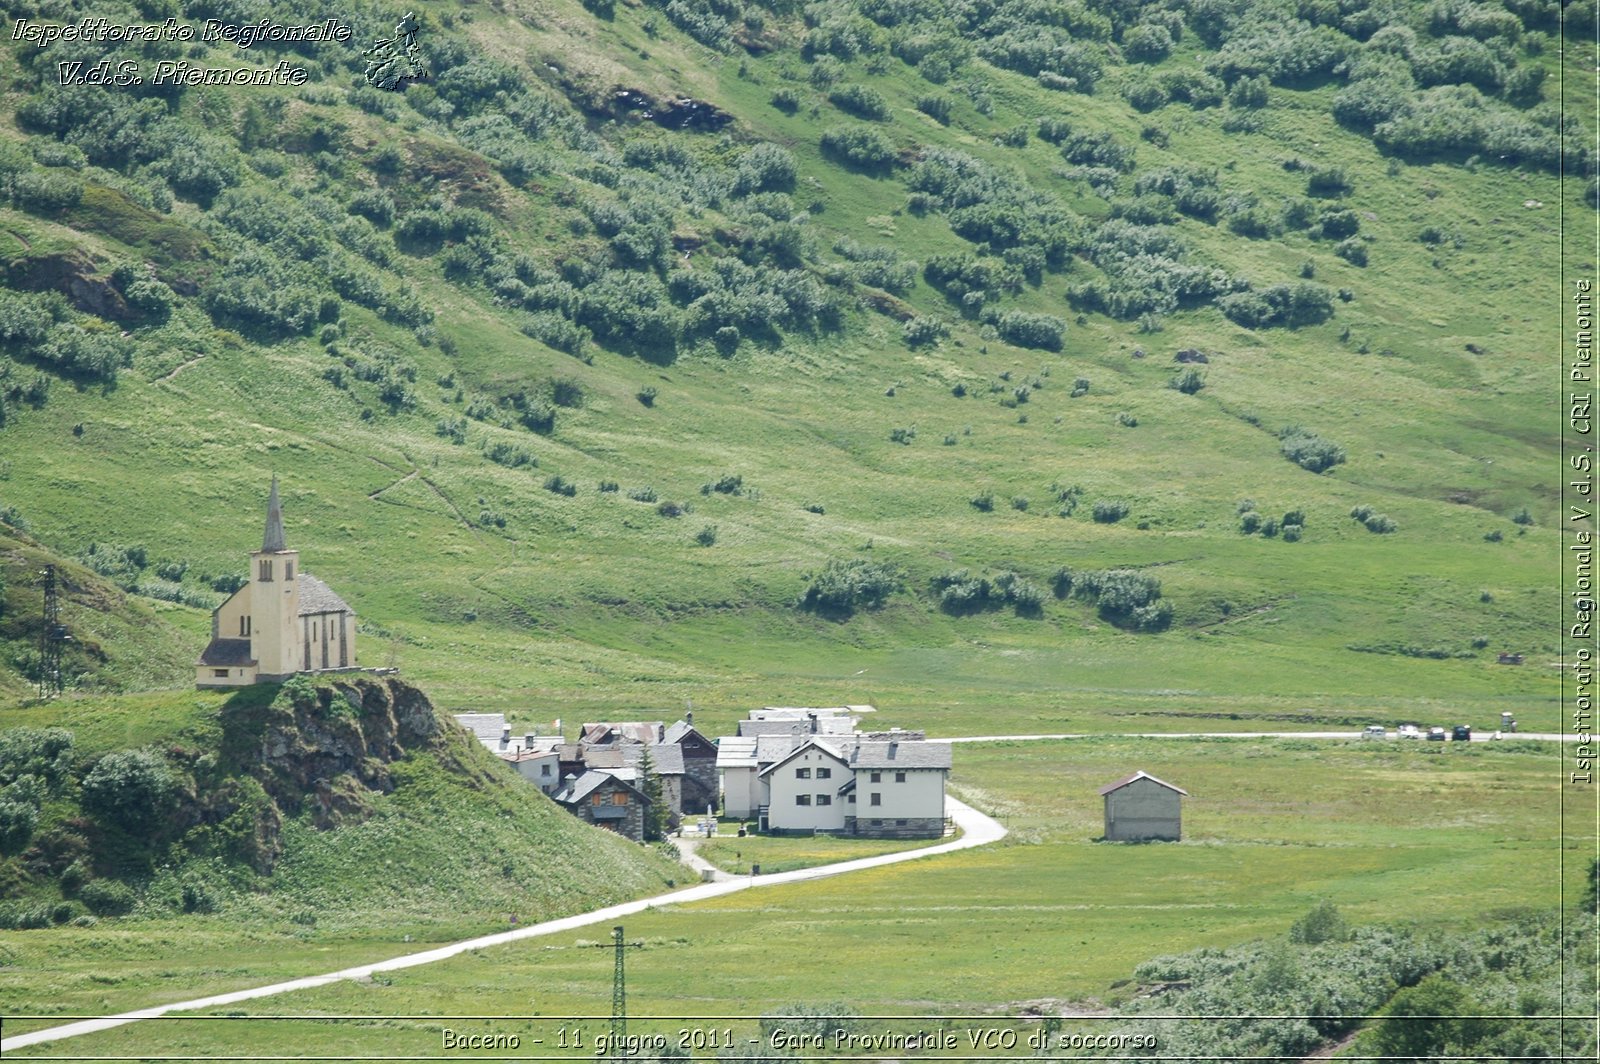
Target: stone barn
point(1142, 807)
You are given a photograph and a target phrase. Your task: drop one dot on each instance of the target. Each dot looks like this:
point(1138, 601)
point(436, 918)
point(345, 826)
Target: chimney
point(527, 741)
point(505, 736)
point(688, 718)
point(893, 747)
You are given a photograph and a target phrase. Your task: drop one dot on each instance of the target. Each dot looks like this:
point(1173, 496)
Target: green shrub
point(1188, 381)
point(861, 101)
point(858, 147)
point(984, 501)
point(1110, 511)
point(707, 536)
point(559, 485)
point(1308, 450)
point(132, 789)
point(840, 588)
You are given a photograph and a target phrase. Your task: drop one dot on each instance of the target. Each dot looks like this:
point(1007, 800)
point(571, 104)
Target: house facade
point(606, 801)
point(803, 789)
point(283, 621)
point(897, 788)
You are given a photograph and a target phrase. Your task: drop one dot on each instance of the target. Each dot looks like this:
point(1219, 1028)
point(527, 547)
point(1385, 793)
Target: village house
point(604, 800)
point(283, 621)
point(802, 771)
point(534, 757)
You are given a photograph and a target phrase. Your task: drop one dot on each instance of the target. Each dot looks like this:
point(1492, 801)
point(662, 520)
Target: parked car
point(1436, 734)
point(1408, 731)
point(1461, 733)
point(1374, 731)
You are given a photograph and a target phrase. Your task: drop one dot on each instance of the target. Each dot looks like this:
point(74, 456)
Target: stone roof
point(668, 758)
point(736, 753)
point(678, 731)
point(901, 755)
point(1140, 775)
point(220, 652)
point(577, 790)
point(485, 726)
point(272, 538)
point(770, 748)
point(814, 743)
point(317, 597)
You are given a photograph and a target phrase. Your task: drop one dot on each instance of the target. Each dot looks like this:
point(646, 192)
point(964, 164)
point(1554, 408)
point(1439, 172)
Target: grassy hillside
point(212, 841)
point(909, 297)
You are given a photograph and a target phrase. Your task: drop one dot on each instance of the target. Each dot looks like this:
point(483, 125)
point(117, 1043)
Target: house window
point(877, 823)
point(266, 569)
point(876, 777)
point(877, 799)
point(802, 773)
point(219, 672)
point(824, 773)
point(597, 799)
point(899, 823)
point(802, 799)
point(619, 798)
point(824, 799)
point(544, 770)
point(899, 777)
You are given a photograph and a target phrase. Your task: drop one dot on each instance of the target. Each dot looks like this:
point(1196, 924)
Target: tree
point(1421, 1021)
point(132, 789)
point(656, 811)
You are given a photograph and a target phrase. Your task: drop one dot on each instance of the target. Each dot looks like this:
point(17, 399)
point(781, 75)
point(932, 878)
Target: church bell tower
point(275, 600)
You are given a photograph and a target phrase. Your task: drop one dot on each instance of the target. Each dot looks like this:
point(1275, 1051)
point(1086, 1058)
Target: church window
point(266, 569)
point(288, 570)
point(219, 672)
point(242, 630)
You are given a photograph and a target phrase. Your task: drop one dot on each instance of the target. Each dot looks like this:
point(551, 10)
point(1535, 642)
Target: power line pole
point(619, 1001)
point(51, 636)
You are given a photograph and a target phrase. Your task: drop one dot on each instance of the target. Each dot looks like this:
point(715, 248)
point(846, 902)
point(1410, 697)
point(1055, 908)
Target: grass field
point(1391, 834)
point(776, 853)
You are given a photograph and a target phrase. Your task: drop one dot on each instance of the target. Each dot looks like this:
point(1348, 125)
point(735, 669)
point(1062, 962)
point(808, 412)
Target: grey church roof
point(227, 652)
point(272, 540)
point(317, 597)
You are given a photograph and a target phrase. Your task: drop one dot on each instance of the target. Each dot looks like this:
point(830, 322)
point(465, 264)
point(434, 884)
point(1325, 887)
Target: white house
point(898, 788)
point(736, 764)
point(535, 758)
point(803, 788)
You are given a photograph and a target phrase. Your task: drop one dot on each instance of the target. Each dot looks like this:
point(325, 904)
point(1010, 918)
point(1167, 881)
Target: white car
point(1408, 731)
point(1374, 731)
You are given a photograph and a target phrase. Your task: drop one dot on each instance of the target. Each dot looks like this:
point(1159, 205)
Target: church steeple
point(272, 541)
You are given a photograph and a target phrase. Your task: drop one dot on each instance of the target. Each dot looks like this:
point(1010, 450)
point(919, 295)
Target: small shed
point(1142, 807)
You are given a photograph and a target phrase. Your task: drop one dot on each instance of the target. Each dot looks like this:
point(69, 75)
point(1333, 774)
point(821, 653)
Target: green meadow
point(1405, 835)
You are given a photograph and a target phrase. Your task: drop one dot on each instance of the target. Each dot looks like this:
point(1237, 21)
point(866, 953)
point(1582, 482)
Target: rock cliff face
point(330, 745)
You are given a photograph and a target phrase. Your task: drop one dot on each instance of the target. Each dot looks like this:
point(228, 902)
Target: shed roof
point(1140, 775)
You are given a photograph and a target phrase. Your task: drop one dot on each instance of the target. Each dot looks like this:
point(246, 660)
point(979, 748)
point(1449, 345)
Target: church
point(283, 621)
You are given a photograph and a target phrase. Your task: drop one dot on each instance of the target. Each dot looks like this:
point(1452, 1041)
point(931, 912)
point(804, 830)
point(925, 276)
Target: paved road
point(1477, 737)
point(976, 830)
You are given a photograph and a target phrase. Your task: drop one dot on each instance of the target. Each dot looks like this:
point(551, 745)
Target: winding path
point(976, 830)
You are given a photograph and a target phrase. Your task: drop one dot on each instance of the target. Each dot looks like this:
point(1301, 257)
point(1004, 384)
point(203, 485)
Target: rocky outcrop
point(72, 273)
point(331, 745)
